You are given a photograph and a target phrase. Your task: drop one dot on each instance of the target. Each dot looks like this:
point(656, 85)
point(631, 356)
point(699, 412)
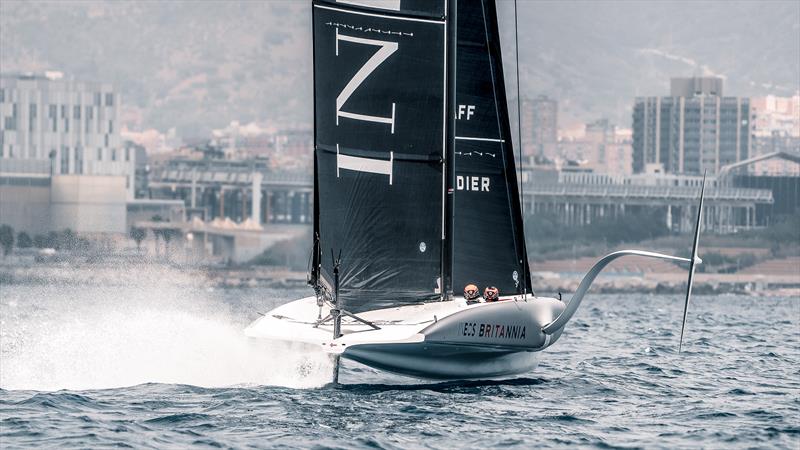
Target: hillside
point(197, 65)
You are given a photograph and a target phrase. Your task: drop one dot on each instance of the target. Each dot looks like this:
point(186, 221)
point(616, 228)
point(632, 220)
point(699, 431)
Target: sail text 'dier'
point(467, 183)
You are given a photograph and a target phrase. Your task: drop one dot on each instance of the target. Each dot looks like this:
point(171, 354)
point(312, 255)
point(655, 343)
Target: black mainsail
point(399, 160)
point(379, 106)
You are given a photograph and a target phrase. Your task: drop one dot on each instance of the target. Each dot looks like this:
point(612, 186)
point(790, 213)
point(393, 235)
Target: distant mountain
point(198, 65)
point(595, 56)
point(195, 65)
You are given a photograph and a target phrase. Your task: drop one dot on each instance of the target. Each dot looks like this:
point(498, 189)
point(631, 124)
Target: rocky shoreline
point(545, 283)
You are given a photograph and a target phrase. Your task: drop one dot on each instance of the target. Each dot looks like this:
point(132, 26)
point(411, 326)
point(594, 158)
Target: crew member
point(491, 294)
point(471, 293)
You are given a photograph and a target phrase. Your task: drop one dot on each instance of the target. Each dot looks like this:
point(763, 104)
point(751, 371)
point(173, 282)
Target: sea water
point(155, 357)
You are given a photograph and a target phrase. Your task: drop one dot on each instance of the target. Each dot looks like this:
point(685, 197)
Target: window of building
point(106, 140)
point(98, 99)
point(76, 112)
point(99, 154)
point(110, 126)
point(88, 120)
point(113, 154)
point(109, 99)
point(63, 111)
point(32, 117)
point(10, 124)
point(2, 95)
point(64, 159)
point(78, 160)
point(66, 125)
point(10, 151)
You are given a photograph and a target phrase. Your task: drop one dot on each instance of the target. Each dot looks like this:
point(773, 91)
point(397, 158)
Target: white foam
point(161, 330)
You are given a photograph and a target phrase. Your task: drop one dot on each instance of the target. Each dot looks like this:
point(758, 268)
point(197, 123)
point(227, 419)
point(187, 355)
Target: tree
point(6, 239)
point(24, 240)
point(52, 241)
point(138, 235)
point(40, 241)
point(167, 234)
point(68, 239)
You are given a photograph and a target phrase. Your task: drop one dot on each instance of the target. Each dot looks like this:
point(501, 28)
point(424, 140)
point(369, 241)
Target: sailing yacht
point(416, 196)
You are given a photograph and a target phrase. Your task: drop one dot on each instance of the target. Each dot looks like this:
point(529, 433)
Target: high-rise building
point(540, 127)
point(695, 86)
point(693, 130)
point(73, 125)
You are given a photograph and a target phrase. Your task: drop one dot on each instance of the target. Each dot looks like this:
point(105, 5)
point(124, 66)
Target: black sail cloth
point(385, 155)
point(379, 137)
point(489, 244)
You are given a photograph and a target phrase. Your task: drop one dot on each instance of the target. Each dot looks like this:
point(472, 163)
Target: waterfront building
point(34, 200)
point(603, 148)
point(72, 125)
point(775, 114)
point(539, 122)
point(776, 129)
point(693, 130)
point(286, 148)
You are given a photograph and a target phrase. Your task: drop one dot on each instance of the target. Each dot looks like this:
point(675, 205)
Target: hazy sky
point(197, 65)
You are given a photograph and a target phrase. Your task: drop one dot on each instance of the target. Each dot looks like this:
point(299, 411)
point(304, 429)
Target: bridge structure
point(250, 190)
point(783, 183)
point(220, 240)
point(237, 190)
point(726, 209)
point(725, 172)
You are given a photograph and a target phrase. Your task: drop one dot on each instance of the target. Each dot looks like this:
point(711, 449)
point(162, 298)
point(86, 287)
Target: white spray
point(159, 328)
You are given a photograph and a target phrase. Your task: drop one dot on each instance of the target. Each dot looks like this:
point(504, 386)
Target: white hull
point(441, 340)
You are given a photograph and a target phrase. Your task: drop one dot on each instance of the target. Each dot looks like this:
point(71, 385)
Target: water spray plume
point(161, 329)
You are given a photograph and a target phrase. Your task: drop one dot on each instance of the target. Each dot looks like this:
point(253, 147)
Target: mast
point(511, 170)
point(449, 160)
point(316, 254)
